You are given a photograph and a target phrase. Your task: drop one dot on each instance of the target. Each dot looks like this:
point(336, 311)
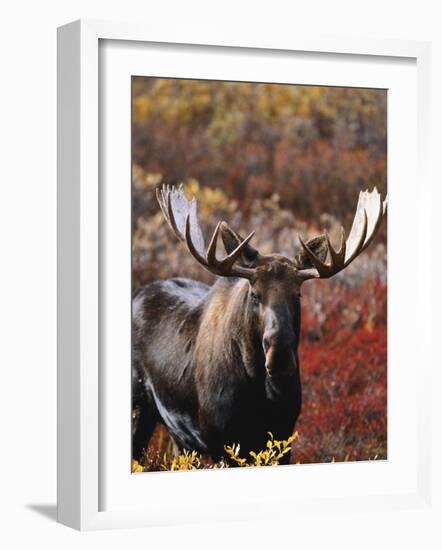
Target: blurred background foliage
point(254, 140)
point(280, 160)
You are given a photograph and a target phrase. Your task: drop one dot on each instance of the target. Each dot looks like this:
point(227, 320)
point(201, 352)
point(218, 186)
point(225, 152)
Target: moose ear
point(319, 246)
point(232, 239)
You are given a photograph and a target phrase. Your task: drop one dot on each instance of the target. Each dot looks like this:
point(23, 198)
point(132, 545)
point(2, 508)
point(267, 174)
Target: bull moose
point(219, 365)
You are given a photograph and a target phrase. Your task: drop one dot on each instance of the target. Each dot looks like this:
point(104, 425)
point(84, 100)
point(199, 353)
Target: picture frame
point(82, 268)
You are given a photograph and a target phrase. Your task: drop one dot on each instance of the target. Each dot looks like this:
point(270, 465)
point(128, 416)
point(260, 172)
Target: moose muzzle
point(279, 342)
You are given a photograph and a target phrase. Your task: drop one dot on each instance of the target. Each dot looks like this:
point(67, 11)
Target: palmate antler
point(181, 215)
point(369, 213)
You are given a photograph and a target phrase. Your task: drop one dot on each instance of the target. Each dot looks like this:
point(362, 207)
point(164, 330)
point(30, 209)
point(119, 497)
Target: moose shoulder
point(219, 365)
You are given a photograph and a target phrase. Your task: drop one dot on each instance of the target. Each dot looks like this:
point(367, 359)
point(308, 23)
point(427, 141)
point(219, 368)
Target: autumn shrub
point(343, 356)
point(186, 460)
point(274, 451)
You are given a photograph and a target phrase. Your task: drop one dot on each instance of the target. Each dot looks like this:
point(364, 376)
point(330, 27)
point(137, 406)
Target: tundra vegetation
point(283, 161)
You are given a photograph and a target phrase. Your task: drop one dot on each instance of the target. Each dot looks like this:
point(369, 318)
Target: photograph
point(259, 274)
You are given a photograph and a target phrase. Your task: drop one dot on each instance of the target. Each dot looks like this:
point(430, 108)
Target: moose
point(219, 365)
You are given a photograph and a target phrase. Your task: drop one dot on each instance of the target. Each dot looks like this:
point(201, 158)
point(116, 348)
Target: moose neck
point(229, 328)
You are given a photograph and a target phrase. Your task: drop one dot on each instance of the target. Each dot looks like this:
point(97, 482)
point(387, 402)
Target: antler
point(181, 215)
point(369, 213)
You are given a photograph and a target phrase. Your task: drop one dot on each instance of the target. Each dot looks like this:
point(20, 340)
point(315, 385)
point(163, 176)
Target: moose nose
point(279, 334)
point(270, 339)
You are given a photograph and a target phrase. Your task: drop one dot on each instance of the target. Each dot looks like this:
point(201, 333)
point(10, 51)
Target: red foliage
point(343, 355)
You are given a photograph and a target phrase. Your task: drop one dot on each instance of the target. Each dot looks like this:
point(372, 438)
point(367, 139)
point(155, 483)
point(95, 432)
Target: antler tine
point(211, 249)
point(321, 267)
point(225, 266)
point(191, 246)
point(337, 256)
point(360, 239)
point(380, 210)
point(369, 212)
point(164, 196)
point(171, 216)
point(230, 259)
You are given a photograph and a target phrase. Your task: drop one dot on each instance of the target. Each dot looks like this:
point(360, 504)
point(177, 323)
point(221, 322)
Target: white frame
point(118, 62)
point(78, 261)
